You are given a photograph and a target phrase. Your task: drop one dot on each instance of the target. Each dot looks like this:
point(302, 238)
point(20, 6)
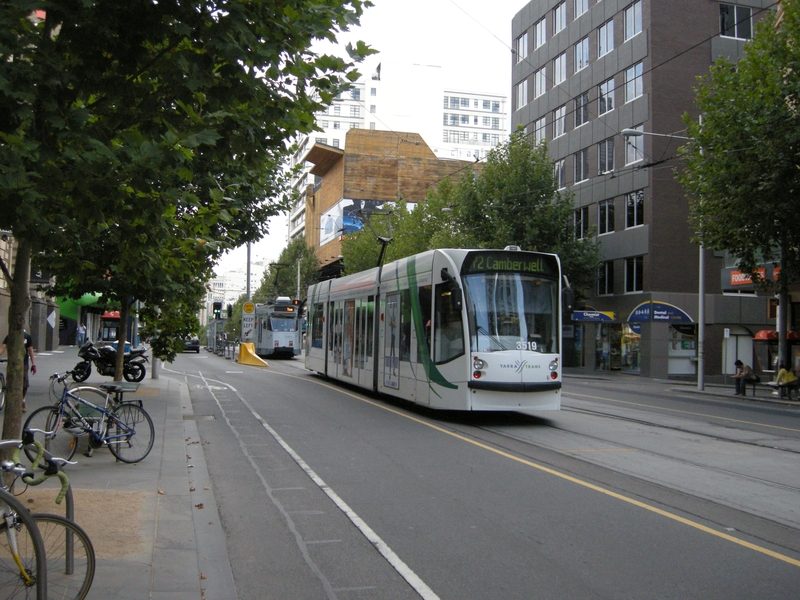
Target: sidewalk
point(154, 524)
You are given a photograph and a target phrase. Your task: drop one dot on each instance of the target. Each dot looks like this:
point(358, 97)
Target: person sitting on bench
point(744, 375)
point(784, 379)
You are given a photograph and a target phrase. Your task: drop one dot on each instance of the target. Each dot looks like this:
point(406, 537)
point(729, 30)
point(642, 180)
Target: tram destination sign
point(518, 262)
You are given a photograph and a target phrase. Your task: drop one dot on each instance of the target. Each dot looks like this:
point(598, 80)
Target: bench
point(785, 389)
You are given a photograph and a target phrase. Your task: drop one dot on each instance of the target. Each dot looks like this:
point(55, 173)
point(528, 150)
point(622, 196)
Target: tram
point(279, 328)
point(475, 330)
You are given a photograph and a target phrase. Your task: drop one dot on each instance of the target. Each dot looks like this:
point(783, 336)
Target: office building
point(584, 71)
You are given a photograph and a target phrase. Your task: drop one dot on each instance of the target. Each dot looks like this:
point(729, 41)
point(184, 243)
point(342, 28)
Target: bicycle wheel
point(59, 443)
point(2, 391)
point(130, 446)
point(70, 557)
point(31, 554)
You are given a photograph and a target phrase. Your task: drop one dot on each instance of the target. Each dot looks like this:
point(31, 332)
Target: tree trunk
point(15, 348)
point(122, 337)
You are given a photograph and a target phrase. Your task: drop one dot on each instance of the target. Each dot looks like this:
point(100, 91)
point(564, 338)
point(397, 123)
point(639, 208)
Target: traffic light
point(230, 311)
point(217, 309)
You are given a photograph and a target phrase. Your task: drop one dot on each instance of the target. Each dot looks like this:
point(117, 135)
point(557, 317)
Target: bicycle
point(69, 554)
point(114, 424)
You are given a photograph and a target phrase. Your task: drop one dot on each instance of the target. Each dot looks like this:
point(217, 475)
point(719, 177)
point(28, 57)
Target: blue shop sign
point(596, 316)
point(658, 311)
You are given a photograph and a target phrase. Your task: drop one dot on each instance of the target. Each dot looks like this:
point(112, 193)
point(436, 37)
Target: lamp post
point(701, 283)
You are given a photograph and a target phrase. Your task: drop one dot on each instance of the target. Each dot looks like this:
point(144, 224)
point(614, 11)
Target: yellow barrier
point(248, 356)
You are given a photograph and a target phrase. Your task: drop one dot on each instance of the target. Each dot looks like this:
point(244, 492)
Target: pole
point(248, 271)
point(298, 280)
point(701, 320)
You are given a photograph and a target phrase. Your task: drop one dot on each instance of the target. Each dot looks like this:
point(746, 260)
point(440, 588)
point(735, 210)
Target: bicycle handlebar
point(50, 461)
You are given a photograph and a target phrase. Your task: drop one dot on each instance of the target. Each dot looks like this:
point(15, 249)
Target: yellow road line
point(564, 476)
point(684, 412)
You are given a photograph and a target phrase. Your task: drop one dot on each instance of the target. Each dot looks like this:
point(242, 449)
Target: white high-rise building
point(455, 123)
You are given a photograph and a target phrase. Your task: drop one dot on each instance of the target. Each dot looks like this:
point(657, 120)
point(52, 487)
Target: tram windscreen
point(512, 311)
point(283, 323)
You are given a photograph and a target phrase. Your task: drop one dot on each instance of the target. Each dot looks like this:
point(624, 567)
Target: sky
point(470, 39)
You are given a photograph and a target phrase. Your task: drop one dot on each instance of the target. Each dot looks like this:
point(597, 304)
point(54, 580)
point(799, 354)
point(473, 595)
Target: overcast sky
point(470, 39)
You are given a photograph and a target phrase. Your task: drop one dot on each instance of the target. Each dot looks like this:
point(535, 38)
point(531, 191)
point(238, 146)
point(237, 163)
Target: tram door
point(341, 338)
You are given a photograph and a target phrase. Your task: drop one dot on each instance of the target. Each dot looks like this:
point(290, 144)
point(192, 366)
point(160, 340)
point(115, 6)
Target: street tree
point(742, 168)
point(511, 200)
point(139, 140)
point(280, 278)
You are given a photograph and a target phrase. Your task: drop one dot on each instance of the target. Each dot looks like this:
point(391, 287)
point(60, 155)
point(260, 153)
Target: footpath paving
point(153, 524)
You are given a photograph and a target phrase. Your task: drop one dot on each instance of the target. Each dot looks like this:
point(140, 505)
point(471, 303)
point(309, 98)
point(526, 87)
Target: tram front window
point(279, 324)
point(509, 311)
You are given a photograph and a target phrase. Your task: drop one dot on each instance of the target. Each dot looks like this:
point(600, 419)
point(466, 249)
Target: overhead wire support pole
point(383, 241)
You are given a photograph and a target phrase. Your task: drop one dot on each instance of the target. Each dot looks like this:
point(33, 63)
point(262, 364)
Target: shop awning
point(772, 335)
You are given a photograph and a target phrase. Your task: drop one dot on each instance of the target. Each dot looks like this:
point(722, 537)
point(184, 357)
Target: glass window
point(634, 147)
point(495, 107)
point(582, 109)
point(455, 102)
point(355, 111)
point(522, 46)
point(605, 278)
point(633, 20)
point(337, 109)
point(633, 82)
point(539, 82)
point(559, 173)
point(605, 97)
point(373, 92)
point(559, 121)
point(539, 33)
point(487, 121)
point(581, 6)
point(446, 102)
point(605, 156)
point(634, 274)
point(581, 165)
point(486, 105)
point(605, 216)
point(539, 130)
point(522, 94)
point(335, 143)
point(634, 209)
point(559, 68)
point(735, 21)
point(317, 327)
point(559, 17)
point(582, 54)
point(605, 38)
point(581, 217)
point(356, 94)
point(337, 125)
point(448, 329)
point(465, 103)
point(372, 108)
point(465, 119)
point(511, 311)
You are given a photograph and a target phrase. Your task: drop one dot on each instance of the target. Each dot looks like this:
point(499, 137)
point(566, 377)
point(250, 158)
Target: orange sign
point(739, 278)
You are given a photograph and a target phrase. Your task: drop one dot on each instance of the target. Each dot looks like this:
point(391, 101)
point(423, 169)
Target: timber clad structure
point(374, 168)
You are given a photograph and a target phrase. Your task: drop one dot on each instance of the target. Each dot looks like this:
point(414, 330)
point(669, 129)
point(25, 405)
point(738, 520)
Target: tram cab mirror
point(567, 300)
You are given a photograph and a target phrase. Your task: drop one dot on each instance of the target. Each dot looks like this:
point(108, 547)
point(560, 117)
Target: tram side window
point(370, 324)
point(424, 345)
point(316, 327)
point(449, 332)
point(405, 326)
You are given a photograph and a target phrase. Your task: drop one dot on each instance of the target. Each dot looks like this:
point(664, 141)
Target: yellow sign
point(248, 307)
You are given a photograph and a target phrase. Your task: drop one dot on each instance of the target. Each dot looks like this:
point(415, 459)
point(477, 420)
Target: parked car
point(192, 344)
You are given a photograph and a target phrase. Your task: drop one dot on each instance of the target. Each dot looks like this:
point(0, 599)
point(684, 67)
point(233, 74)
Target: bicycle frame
point(68, 407)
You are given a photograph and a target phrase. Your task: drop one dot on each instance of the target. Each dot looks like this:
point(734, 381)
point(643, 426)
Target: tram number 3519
point(526, 346)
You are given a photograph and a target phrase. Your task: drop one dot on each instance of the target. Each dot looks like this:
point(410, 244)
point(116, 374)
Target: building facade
point(374, 170)
point(454, 123)
point(584, 71)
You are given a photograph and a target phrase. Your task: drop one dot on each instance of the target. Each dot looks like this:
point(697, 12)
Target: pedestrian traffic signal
point(230, 311)
point(217, 309)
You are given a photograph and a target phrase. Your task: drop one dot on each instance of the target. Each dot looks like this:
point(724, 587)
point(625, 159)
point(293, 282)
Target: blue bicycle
point(98, 414)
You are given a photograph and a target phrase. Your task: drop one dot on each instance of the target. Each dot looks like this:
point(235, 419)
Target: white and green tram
point(449, 329)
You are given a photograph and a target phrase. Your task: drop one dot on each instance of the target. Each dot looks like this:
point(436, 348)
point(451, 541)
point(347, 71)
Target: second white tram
point(279, 328)
point(449, 329)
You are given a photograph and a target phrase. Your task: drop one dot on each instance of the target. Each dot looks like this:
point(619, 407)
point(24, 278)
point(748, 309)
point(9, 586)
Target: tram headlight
point(554, 365)
point(478, 364)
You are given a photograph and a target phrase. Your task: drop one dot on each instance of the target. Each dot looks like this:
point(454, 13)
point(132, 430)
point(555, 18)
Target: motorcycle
point(105, 358)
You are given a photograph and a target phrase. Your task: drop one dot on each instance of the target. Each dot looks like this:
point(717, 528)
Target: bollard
point(154, 372)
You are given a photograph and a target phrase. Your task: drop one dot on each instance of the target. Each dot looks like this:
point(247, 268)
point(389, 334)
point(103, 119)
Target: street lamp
point(701, 267)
